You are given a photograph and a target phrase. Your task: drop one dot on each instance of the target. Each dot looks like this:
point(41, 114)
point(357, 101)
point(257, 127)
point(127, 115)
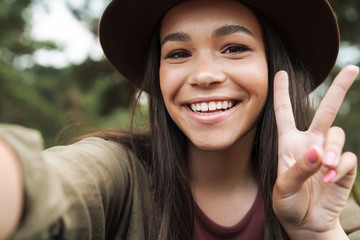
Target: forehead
point(209, 13)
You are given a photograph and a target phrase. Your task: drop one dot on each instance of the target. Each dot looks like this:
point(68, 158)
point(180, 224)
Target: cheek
point(170, 86)
point(260, 84)
point(162, 76)
point(165, 84)
point(253, 78)
point(170, 82)
point(263, 79)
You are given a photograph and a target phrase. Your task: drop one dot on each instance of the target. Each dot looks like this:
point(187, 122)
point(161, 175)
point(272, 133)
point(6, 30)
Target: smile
point(212, 107)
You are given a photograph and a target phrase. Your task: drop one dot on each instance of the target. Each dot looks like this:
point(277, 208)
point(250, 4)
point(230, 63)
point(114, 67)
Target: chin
point(212, 145)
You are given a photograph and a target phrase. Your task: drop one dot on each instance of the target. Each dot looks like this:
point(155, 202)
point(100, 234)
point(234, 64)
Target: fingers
point(334, 144)
point(346, 170)
point(282, 104)
point(338, 164)
point(330, 105)
point(292, 180)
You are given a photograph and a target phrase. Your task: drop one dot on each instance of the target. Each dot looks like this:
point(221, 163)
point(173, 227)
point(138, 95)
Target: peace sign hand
point(314, 176)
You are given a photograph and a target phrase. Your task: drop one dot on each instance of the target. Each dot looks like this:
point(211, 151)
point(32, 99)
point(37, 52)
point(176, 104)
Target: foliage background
point(72, 100)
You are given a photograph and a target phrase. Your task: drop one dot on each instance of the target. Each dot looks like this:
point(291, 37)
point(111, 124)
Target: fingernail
point(312, 155)
point(330, 175)
point(330, 158)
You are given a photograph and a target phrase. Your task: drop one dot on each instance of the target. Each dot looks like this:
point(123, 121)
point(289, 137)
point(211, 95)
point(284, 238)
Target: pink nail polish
point(330, 158)
point(312, 155)
point(330, 175)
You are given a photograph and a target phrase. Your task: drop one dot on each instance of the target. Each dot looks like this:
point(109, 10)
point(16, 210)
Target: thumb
point(290, 181)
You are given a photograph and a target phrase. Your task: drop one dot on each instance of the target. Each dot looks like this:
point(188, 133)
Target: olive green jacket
point(90, 190)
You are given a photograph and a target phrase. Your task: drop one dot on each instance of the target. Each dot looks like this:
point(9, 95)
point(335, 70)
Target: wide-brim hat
point(308, 28)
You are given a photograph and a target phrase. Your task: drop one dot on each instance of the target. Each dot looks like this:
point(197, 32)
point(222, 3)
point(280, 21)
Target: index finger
point(282, 105)
point(330, 105)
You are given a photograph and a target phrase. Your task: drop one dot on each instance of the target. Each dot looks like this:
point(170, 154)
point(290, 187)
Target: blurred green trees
point(90, 94)
point(348, 14)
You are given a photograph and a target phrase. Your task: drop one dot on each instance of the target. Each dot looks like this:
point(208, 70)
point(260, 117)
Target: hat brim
point(308, 28)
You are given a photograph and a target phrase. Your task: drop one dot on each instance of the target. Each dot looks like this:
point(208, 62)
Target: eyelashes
point(235, 49)
point(178, 54)
point(231, 49)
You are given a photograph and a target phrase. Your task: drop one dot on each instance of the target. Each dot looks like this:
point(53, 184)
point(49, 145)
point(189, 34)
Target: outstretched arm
point(86, 190)
point(11, 191)
point(314, 176)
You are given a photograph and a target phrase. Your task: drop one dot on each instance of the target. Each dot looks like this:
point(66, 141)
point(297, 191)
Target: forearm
point(11, 191)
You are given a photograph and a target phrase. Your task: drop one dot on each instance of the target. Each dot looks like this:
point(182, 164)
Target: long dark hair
point(265, 146)
point(164, 148)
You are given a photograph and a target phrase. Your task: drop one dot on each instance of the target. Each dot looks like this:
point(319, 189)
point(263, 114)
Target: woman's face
point(213, 71)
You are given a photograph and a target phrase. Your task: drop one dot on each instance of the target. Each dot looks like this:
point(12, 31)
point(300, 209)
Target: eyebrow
point(230, 29)
point(219, 32)
point(178, 36)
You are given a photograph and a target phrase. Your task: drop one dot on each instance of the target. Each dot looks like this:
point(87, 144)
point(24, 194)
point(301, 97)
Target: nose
point(206, 72)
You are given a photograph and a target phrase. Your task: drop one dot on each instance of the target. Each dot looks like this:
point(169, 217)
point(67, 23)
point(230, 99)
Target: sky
point(57, 24)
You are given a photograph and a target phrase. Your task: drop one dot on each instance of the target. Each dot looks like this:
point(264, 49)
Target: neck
point(223, 170)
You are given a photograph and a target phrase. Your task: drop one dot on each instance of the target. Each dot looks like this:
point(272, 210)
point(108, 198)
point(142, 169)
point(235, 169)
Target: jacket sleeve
point(77, 191)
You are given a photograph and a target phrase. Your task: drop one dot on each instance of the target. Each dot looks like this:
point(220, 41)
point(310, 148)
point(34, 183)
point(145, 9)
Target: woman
point(224, 158)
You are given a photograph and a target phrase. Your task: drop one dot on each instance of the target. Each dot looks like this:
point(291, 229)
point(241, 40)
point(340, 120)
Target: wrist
point(334, 233)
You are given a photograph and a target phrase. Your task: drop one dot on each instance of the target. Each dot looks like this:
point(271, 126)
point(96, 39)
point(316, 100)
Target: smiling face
point(213, 72)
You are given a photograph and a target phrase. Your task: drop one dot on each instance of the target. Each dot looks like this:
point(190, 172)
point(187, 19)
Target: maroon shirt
point(250, 227)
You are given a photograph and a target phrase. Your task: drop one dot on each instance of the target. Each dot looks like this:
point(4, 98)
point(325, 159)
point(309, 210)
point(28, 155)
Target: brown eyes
point(232, 49)
point(179, 54)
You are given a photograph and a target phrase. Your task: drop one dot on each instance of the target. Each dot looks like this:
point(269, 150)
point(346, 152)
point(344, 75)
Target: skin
point(312, 187)
point(11, 188)
point(203, 66)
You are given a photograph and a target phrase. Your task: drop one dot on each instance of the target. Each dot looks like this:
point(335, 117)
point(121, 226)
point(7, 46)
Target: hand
point(11, 191)
point(314, 176)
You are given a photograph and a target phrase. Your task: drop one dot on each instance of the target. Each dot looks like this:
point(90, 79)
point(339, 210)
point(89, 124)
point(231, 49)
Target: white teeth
point(225, 105)
point(212, 106)
point(198, 107)
point(204, 107)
